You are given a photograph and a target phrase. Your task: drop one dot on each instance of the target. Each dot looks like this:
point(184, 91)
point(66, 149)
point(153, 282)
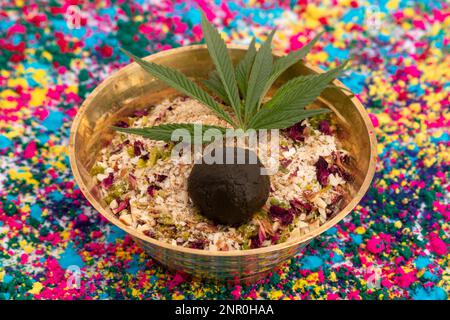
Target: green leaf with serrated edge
point(214, 84)
point(244, 67)
point(350, 92)
point(260, 73)
point(287, 105)
point(283, 63)
point(268, 120)
point(224, 67)
point(295, 91)
point(180, 82)
point(164, 132)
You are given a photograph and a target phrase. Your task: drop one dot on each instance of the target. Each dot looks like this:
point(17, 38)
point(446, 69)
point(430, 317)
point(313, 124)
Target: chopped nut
point(143, 228)
point(320, 203)
point(275, 226)
point(113, 204)
point(126, 219)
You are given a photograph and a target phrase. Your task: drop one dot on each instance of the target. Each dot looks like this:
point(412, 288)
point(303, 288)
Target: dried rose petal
point(197, 244)
point(284, 148)
point(275, 238)
point(137, 147)
point(122, 206)
point(334, 169)
point(255, 242)
point(300, 206)
point(322, 171)
point(348, 177)
point(108, 181)
point(340, 158)
point(150, 233)
point(336, 199)
point(132, 180)
point(261, 234)
point(285, 162)
point(121, 124)
point(324, 127)
point(141, 113)
point(290, 217)
point(285, 216)
point(344, 158)
point(160, 177)
point(151, 190)
point(119, 147)
point(296, 132)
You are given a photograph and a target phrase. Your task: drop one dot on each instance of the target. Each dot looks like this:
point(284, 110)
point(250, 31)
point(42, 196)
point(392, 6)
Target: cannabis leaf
point(219, 54)
point(287, 105)
point(350, 93)
point(168, 132)
point(260, 73)
point(214, 84)
point(244, 67)
point(243, 87)
point(182, 83)
point(282, 64)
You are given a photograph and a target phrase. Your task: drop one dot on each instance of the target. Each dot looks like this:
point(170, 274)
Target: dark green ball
point(229, 193)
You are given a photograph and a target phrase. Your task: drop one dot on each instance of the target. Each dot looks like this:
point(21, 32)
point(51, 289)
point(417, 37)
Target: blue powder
point(36, 212)
point(357, 238)
point(340, 54)
point(355, 81)
point(42, 137)
point(11, 197)
point(429, 276)
point(444, 137)
point(354, 15)
point(194, 17)
point(311, 263)
point(55, 196)
point(421, 262)
point(70, 258)
point(337, 258)
point(435, 293)
point(5, 142)
point(7, 278)
point(103, 296)
point(134, 265)
point(4, 296)
point(115, 233)
point(6, 24)
point(54, 121)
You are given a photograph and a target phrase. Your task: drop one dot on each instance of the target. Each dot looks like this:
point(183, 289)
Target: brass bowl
point(131, 88)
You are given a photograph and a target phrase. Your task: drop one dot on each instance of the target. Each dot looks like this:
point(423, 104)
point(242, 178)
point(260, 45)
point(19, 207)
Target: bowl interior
point(131, 89)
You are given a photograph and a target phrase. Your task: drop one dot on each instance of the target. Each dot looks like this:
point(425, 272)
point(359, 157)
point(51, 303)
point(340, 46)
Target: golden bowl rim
point(233, 253)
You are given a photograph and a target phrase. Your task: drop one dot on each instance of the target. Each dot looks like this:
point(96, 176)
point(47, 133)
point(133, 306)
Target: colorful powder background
point(393, 246)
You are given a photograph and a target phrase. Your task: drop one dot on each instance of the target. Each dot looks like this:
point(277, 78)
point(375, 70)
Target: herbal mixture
point(175, 202)
point(147, 189)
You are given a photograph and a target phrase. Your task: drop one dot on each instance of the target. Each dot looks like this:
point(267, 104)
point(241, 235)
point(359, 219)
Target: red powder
point(106, 51)
point(437, 246)
point(375, 245)
point(30, 150)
